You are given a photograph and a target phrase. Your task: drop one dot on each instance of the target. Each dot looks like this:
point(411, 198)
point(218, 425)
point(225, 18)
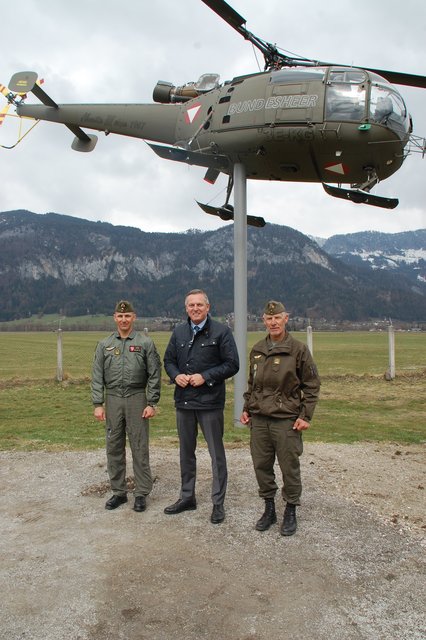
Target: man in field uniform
point(126, 377)
point(283, 389)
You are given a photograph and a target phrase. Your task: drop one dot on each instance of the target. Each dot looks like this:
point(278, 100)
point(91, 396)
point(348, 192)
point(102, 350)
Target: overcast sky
point(107, 51)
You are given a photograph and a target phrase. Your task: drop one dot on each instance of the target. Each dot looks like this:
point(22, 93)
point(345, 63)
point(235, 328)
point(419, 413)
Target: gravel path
point(355, 570)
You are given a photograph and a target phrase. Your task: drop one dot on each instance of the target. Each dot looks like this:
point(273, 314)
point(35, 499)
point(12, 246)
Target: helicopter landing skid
point(227, 213)
point(361, 197)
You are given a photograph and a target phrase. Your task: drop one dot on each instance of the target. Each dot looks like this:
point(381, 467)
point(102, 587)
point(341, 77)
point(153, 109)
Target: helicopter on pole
point(298, 120)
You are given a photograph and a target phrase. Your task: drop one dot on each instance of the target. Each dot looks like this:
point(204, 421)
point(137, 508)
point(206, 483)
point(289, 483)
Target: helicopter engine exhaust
point(166, 92)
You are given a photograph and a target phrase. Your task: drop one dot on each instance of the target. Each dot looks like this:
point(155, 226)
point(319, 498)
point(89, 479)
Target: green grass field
point(357, 403)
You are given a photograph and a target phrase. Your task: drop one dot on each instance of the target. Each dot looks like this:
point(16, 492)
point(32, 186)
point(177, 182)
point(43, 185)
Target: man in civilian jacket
point(200, 356)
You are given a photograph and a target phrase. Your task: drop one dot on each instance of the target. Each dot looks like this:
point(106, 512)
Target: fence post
point(59, 367)
point(390, 374)
point(310, 340)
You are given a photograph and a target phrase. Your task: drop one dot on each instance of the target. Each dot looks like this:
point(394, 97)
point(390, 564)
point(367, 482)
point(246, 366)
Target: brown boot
point(289, 524)
point(269, 516)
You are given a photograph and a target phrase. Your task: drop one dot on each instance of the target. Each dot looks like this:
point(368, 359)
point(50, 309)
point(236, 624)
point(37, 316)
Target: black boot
point(269, 516)
point(289, 524)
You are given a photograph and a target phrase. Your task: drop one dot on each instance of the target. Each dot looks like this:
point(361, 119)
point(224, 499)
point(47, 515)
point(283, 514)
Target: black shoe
point(140, 503)
point(115, 502)
point(218, 514)
point(181, 505)
point(269, 516)
point(289, 524)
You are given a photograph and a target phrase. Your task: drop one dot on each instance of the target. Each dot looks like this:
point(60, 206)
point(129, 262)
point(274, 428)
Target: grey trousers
point(124, 416)
point(212, 426)
point(270, 438)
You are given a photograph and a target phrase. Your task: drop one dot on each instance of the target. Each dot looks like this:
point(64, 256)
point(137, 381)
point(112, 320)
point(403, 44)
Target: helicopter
point(298, 120)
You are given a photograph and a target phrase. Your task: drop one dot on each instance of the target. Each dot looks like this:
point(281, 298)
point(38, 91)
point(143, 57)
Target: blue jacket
point(212, 352)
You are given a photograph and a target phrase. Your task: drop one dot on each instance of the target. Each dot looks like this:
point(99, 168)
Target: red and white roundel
point(337, 167)
point(192, 113)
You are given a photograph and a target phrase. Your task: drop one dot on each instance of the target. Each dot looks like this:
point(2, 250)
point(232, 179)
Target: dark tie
point(196, 329)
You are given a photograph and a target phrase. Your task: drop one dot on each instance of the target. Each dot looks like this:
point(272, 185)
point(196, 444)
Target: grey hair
point(197, 291)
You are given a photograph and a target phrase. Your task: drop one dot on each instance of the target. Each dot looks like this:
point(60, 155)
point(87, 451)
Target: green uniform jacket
point(126, 366)
point(283, 380)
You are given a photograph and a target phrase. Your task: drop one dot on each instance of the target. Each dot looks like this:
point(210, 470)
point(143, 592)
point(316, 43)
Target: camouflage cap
point(124, 306)
point(273, 307)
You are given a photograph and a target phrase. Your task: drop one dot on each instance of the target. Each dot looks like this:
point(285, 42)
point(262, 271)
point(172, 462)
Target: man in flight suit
point(126, 377)
point(283, 389)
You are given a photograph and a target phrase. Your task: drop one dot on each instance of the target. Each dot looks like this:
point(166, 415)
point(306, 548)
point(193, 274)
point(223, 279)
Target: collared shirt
point(199, 326)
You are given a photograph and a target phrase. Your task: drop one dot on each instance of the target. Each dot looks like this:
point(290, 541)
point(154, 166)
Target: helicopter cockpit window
point(388, 108)
point(346, 95)
point(297, 75)
point(349, 76)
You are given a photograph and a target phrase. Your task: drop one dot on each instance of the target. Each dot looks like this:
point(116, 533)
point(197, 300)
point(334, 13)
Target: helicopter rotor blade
point(275, 59)
point(270, 52)
point(227, 13)
point(397, 77)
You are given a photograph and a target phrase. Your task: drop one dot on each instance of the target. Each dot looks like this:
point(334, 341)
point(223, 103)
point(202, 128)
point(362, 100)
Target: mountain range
point(401, 253)
point(52, 263)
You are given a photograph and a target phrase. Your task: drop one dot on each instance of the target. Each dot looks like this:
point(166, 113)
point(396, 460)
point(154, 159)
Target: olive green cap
point(273, 307)
point(124, 306)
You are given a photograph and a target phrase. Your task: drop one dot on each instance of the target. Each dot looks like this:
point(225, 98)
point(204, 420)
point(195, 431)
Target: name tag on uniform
point(135, 348)
point(277, 360)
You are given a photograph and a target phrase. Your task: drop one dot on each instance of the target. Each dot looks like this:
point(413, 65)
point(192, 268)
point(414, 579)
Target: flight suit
point(127, 377)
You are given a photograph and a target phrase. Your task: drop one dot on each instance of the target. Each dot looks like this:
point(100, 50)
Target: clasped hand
point(193, 379)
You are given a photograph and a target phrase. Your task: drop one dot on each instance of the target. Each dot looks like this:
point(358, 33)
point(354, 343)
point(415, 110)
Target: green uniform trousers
point(124, 416)
point(270, 438)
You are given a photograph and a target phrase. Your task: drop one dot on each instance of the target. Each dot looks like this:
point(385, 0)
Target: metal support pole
point(240, 284)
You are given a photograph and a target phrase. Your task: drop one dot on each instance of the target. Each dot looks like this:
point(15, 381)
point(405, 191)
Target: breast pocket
point(208, 344)
point(209, 353)
point(108, 356)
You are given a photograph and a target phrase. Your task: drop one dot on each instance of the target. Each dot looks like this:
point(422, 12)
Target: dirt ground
point(355, 570)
